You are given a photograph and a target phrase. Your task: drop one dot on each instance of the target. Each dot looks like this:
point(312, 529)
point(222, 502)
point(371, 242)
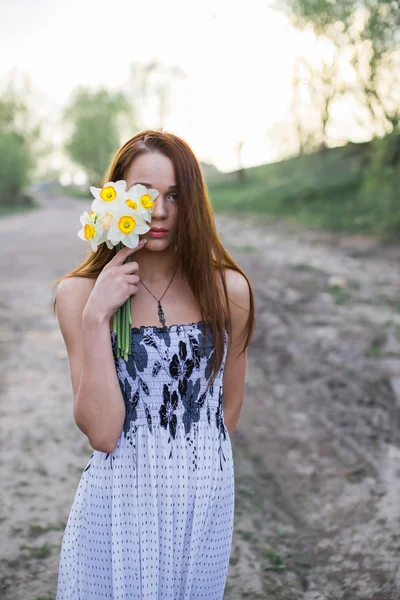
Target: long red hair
point(199, 251)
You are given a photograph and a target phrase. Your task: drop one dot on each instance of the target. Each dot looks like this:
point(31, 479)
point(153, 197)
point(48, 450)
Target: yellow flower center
point(91, 214)
point(89, 231)
point(131, 203)
point(126, 224)
point(108, 194)
point(146, 201)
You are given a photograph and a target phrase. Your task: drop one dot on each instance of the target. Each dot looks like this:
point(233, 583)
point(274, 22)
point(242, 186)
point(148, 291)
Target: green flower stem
point(116, 328)
point(119, 320)
point(124, 336)
point(128, 320)
point(122, 323)
point(128, 325)
point(123, 330)
point(119, 331)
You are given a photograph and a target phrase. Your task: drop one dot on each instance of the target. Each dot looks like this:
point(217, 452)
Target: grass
point(356, 474)
point(275, 561)
point(42, 471)
point(5, 583)
point(16, 209)
point(339, 295)
point(37, 530)
point(76, 193)
point(375, 351)
point(304, 267)
point(321, 190)
point(42, 551)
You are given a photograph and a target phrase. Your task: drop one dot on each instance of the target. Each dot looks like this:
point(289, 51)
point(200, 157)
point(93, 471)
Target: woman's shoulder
point(240, 305)
point(239, 295)
point(76, 285)
point(73, 293)
point(236, 283)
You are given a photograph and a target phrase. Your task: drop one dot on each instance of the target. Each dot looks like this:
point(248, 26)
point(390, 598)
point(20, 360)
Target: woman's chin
point(156, 244)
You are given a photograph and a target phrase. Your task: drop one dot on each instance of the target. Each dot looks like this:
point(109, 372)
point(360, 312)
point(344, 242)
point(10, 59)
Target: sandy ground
point(317, 455)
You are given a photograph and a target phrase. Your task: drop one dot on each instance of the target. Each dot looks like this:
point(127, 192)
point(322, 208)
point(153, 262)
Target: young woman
point(152, 518)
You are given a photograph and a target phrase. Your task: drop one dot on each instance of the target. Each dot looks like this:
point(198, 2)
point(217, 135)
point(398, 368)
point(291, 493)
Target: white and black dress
point(153, 520)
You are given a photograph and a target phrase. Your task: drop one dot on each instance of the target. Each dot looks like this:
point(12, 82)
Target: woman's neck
point(156, 267)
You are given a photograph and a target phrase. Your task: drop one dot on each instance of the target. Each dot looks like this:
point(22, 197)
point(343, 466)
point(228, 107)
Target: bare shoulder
point(239, 300)
point(79, 285)
point(237, 287)
point(73, 290)
point(71, 297)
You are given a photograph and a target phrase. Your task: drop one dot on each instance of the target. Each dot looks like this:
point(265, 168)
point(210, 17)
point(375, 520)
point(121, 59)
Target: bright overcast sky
point(237, 56)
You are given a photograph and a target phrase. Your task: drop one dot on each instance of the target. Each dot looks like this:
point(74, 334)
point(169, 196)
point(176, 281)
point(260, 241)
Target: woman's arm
point(235, 367)
point(99, 408)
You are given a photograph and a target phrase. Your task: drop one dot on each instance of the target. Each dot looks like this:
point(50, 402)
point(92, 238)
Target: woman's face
point(154, 170)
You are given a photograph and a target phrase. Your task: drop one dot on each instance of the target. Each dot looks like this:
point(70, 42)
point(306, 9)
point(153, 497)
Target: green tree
point(15, 167)
point(148, 81)
point(21, 143)
point(366, 38)
point(93, 117)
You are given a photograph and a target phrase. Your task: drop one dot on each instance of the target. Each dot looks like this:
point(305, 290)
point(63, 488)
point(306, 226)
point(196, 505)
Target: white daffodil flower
point(141, 199)
point(93, 215)
point(110, 197)
point(92, 230)
point(118, 218)
point(125, 227)
point(106, 219)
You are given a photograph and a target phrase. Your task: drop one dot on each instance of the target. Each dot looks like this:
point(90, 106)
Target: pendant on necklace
point(161, 314)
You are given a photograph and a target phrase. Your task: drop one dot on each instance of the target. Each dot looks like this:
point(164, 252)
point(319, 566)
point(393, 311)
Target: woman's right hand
point(115, 284)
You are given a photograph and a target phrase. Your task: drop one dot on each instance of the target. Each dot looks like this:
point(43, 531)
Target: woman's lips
point(157, 234)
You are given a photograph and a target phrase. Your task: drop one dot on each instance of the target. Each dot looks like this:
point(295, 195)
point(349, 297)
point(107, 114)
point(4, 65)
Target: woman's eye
point(174, 196)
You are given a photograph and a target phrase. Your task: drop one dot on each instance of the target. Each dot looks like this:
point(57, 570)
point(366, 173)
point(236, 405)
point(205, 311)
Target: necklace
point(161, 315)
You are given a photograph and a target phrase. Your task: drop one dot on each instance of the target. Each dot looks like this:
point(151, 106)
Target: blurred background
point(292, 108)
point(284, 80)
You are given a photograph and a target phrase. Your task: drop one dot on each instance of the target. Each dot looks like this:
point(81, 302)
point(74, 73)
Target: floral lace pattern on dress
point(165, 382)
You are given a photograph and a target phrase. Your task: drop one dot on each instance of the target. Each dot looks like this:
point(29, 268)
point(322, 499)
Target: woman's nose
point(160, 207)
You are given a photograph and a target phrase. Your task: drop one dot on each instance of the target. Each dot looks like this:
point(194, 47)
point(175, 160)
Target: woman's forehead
point(154, 171)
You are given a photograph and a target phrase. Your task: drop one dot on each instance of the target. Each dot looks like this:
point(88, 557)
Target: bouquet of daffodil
point(117, 218)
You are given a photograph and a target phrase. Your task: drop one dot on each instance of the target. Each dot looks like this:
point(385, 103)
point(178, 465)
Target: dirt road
point(317, 453)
